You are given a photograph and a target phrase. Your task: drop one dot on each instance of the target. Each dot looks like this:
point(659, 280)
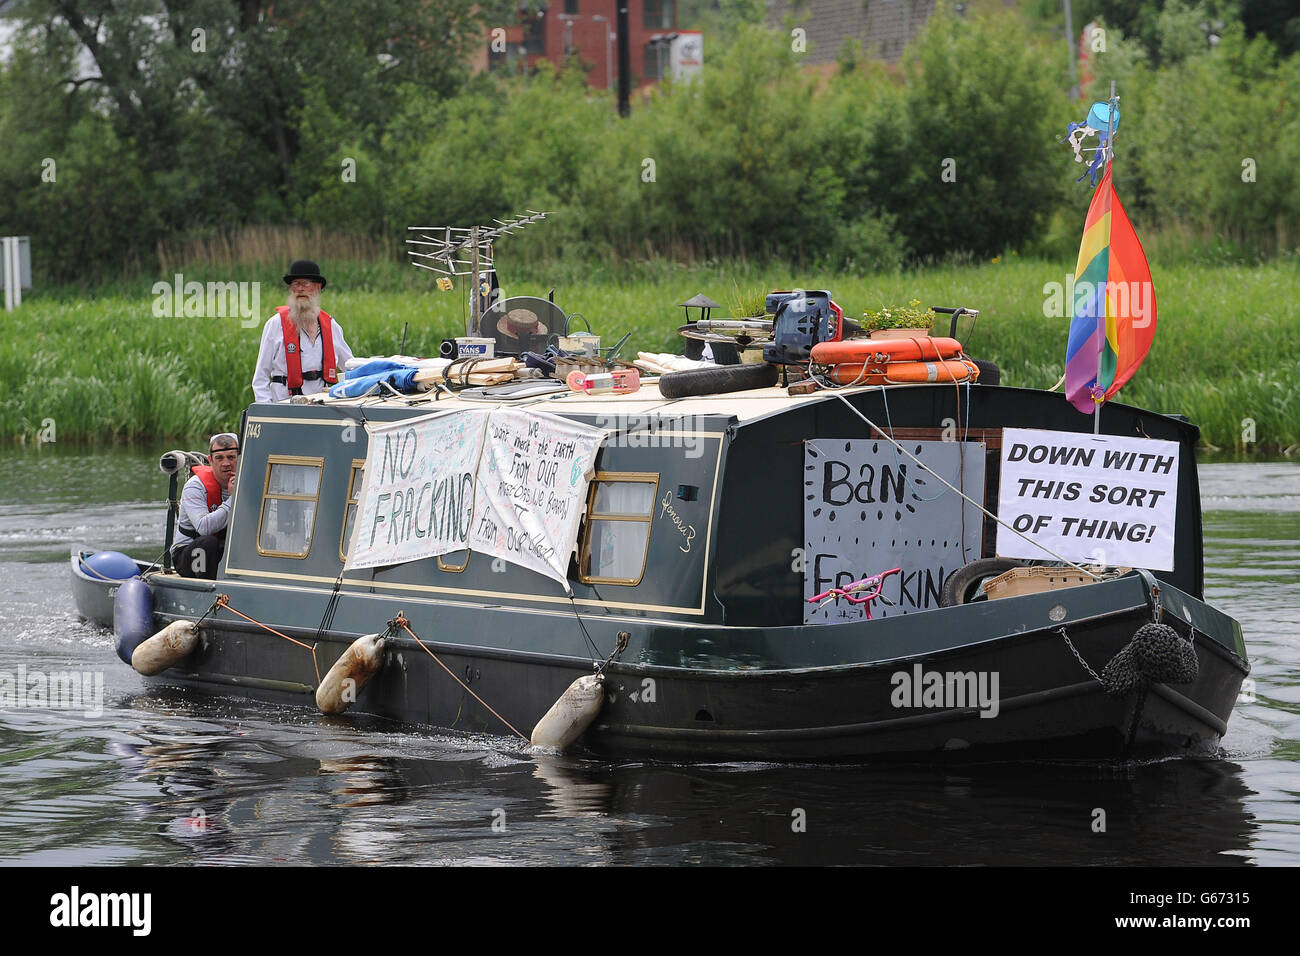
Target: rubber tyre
point(714, 381)
point(990, 374)
point(965, 585)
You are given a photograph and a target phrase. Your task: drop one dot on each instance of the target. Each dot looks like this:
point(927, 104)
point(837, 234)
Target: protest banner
point(868, 508)
point(1097, 499)
point(418, 489)
point(532, 489)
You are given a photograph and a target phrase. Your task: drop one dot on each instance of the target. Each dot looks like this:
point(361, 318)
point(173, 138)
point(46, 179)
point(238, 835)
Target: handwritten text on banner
point(418, 489)
point(532, 489)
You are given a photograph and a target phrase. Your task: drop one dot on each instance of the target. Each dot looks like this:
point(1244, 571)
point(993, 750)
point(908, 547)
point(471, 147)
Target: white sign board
point(686, 54)
point(1096, 499)
point(869, 508)
point(418, 489)
point(532, 489)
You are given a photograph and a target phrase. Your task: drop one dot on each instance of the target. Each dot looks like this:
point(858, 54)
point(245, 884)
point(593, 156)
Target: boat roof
point(745, 406)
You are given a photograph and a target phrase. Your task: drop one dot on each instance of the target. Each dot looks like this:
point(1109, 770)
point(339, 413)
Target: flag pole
point(1107, 160)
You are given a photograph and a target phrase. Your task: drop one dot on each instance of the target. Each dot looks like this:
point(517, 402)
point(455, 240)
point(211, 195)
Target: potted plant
point(899, 322)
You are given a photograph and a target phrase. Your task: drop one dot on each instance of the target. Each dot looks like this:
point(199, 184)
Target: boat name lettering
point(687, 530)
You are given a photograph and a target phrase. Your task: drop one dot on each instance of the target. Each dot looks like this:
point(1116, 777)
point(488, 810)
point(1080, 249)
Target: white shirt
point(194, 512)
point(270, 360)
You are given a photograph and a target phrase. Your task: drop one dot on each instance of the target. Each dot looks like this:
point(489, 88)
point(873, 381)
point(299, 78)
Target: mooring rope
point(404, 624)
point(889, 438)
point(223, 600)
point(581, 624)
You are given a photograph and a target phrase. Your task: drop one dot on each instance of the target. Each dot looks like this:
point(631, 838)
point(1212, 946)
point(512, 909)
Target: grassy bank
point(105, 368)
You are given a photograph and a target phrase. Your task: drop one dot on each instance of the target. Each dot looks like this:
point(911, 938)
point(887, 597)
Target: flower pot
point(899, 333)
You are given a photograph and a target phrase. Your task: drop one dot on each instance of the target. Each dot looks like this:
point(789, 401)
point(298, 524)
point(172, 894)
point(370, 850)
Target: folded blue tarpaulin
point(363, 379)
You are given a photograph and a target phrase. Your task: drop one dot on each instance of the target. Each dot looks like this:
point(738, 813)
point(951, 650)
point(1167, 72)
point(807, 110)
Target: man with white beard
point(302, 347)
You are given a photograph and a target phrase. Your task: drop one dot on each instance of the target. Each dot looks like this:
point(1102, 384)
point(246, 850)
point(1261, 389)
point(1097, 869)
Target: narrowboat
point(708, 537)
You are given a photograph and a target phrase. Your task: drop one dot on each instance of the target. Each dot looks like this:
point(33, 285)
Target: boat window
point(289, 506)
point(350, 512)
point(620, 507)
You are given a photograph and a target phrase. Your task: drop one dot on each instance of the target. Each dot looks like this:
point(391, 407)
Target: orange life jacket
point(210, 485)
point(293, 351)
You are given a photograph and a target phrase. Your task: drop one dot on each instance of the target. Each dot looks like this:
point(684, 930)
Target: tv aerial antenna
point(463, 251)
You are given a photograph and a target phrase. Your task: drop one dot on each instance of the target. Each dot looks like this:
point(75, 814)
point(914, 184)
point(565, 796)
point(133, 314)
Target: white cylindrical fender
point(571, 715)
point(341, 686)
point(165, 649)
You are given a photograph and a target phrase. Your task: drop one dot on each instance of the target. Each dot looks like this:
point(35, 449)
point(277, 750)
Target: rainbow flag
point(1114, 304)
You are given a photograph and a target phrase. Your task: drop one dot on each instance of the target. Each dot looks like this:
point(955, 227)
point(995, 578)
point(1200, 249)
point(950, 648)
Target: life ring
point(879, 351)
point(905, 373)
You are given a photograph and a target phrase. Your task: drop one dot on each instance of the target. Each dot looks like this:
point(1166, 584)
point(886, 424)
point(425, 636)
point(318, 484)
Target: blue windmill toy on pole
point(1102, 121)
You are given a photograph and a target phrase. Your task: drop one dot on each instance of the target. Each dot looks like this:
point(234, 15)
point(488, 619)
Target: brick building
point(558, 28)
point(883, 27)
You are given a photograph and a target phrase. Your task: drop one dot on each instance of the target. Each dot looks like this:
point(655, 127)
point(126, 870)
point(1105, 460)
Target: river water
point(165, 776)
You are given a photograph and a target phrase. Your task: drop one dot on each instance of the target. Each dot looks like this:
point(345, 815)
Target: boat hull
point(677, 692)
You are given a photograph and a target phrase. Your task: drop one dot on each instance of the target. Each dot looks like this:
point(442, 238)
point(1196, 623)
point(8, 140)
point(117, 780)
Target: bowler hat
point(304, 269)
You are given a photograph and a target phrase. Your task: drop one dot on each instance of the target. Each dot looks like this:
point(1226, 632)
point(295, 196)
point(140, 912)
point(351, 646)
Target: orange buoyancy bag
point(879, 351)
point(905, 373)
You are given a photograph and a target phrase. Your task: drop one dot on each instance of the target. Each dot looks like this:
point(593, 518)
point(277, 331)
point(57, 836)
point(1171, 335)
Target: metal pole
point(17, 246)
point(624, 61)
point(1107, 160)
point(172, 506)
point(609, 55)
point(1071, 43)
point(473, 294)
point(6, 242)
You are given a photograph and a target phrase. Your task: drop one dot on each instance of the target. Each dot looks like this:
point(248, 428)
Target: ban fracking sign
point(417, 496)
point(1099, 499)
point(868, 509)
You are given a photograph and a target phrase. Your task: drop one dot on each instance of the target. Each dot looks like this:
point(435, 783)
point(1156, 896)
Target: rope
point(404, 624)
point(990, 514)
point(595, 656)
point(223, 600)
point(327, 619)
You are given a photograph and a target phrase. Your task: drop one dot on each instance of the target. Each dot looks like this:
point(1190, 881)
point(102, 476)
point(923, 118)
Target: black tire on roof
point(990, 374)
point(713, 381)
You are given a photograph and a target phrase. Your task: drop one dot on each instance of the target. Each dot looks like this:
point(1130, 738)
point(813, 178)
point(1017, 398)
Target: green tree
point(975, 166)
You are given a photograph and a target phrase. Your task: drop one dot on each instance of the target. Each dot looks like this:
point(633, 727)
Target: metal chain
point(1079, 657)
